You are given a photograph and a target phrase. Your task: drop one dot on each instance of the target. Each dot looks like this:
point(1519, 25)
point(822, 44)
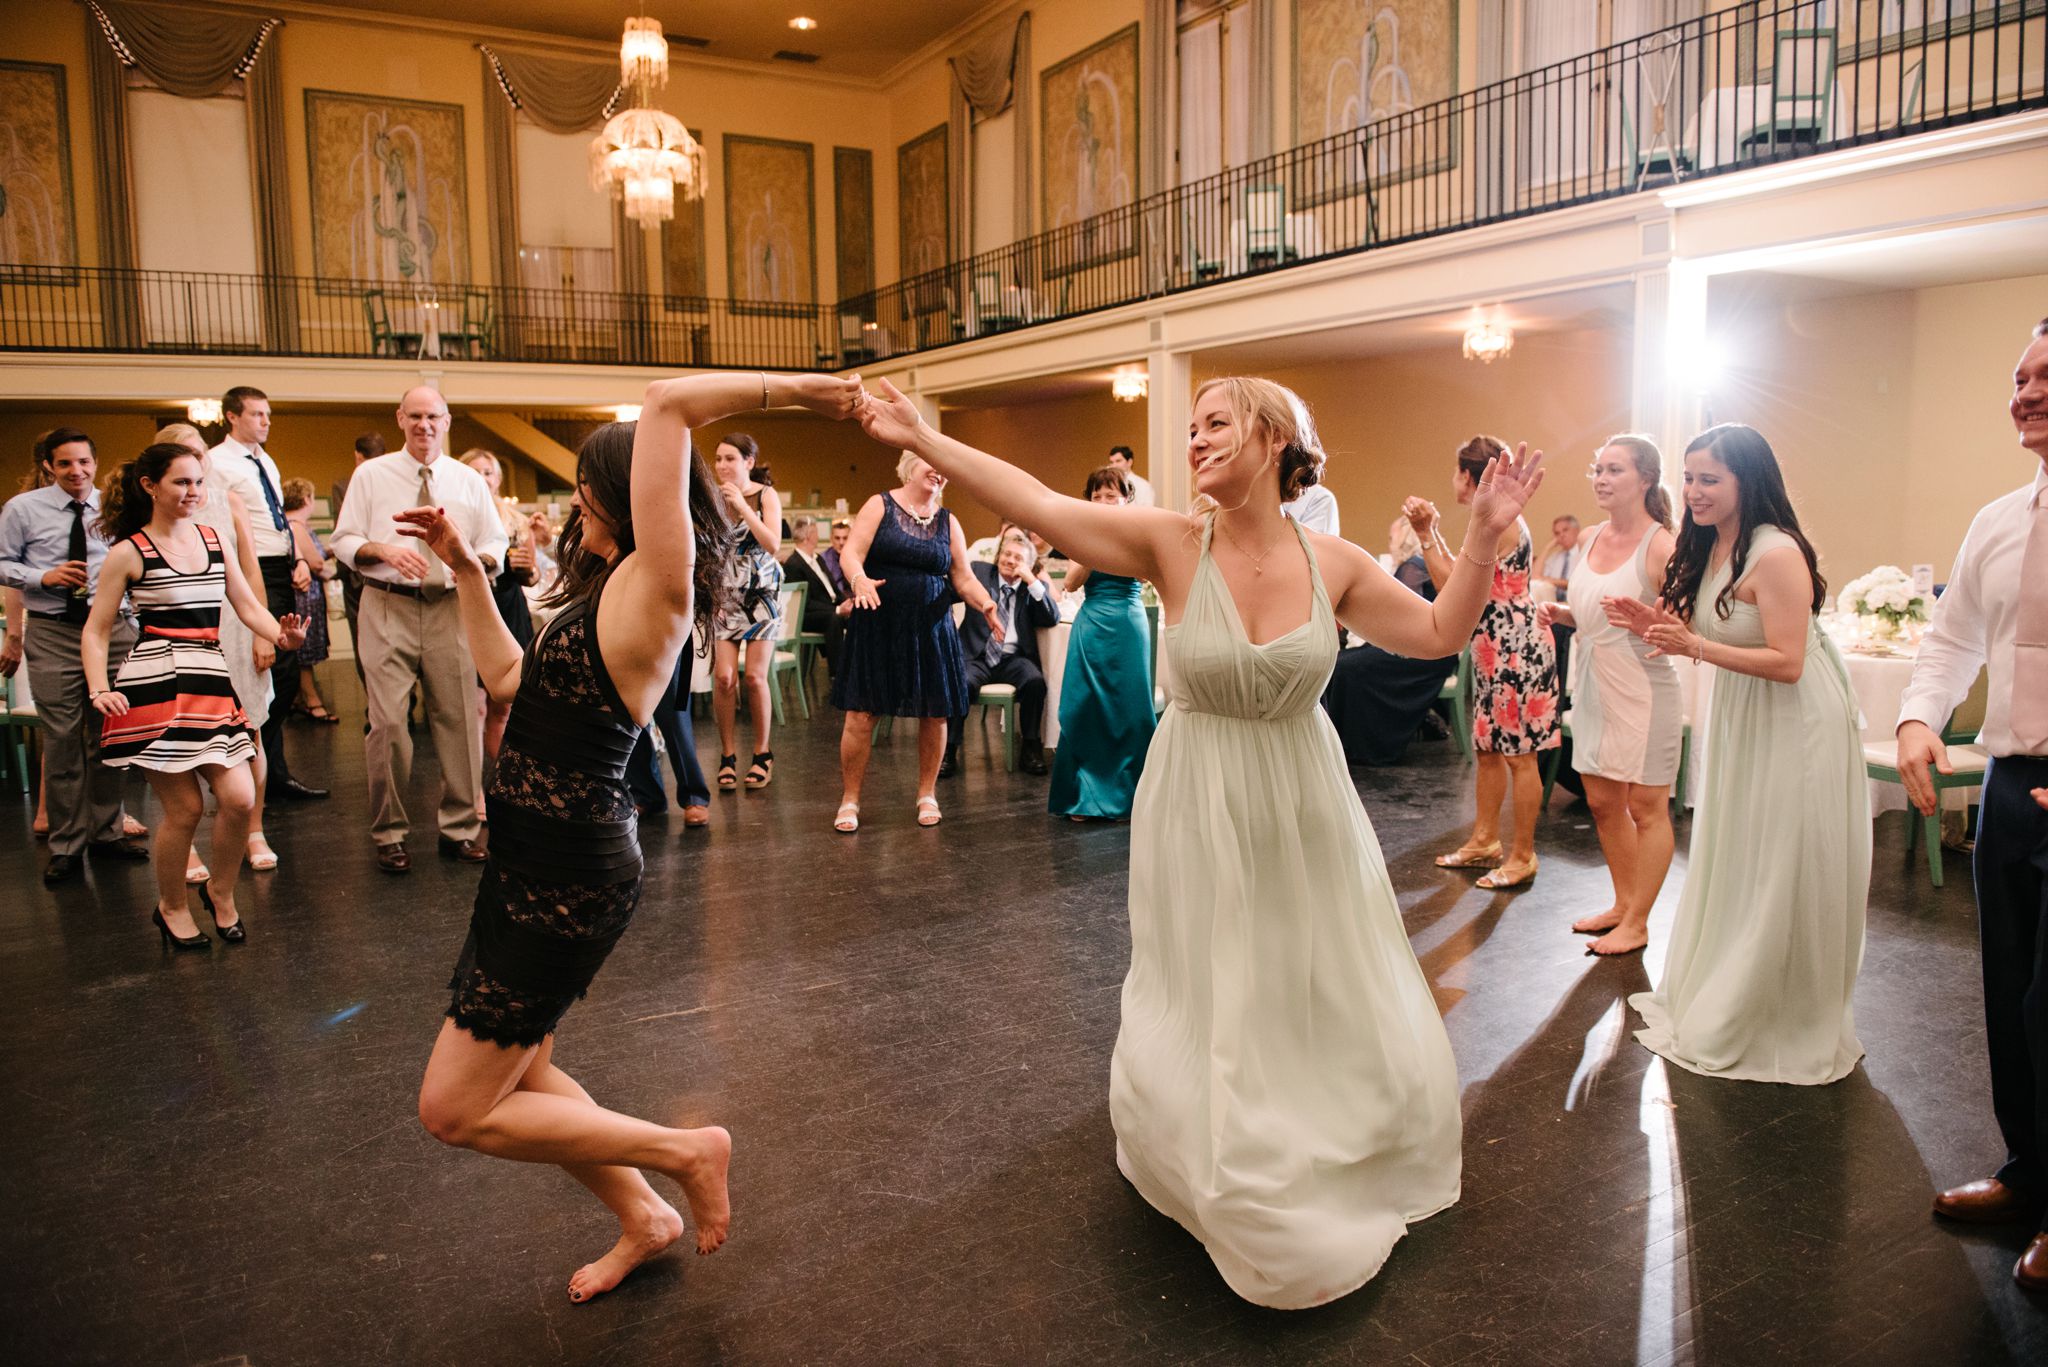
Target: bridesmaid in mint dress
point(1106, 718)
point(1769, 935)
point(1282, 1086)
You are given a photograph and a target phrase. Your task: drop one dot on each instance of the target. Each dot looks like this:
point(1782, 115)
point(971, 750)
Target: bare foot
point(1618, 942)
point(645, 1239)
point(701, 1175)
point(1598, 923)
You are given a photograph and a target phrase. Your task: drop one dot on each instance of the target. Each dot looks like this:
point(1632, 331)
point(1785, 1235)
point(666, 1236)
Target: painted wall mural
point(685, 270)
point(38, 224)
point(1360, 60)
point(771, 233)
point(923, 204)
point(389, 198)
point(1088, 127)
point(853, 220)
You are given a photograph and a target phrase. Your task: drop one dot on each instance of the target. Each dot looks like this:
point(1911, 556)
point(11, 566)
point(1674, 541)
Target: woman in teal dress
point(1769, 936)
point(1106, 717)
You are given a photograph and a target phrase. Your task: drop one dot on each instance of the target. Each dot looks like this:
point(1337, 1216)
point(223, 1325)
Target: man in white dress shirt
point(1141, 488)
point(1995, 613)
point(241, 463)
point(411, 628)
point(1315, 510)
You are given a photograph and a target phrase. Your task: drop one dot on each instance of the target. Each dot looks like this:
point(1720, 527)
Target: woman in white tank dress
point(1769, 937)
point(1627, 715)
point(1282, 1085)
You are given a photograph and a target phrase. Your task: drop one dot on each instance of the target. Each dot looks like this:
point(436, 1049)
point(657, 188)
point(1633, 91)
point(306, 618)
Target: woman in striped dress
point(172, 711)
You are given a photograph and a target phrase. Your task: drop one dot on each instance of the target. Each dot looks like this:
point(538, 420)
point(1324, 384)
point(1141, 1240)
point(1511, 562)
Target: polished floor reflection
point(214, 1158)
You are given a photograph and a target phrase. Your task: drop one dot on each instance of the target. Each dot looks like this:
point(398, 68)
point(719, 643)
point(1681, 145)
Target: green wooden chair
point(1802, 86)
point(1457, 691)
point(1881, 761)
point(784, 665)
point(377, 314)
point(1265, 226)
point(18, 719)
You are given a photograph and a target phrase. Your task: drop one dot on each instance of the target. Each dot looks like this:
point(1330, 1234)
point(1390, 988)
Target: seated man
point(1025, 606)
point(824, 601)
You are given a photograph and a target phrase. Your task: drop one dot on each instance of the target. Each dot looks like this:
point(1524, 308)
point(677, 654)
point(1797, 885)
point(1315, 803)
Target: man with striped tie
point(245, 467)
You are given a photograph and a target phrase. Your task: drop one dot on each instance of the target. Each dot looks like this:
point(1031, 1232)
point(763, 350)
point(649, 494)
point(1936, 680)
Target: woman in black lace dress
point(563, 875)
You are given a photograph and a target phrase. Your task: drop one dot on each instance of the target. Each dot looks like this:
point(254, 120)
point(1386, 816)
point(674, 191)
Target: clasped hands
point(1665, 631)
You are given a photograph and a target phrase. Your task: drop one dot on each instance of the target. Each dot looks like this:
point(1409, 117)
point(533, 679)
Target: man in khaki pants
point(411, 628)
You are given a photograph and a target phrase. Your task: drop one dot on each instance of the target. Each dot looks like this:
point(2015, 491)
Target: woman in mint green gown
point(1282, 1084)
point(1106, 718)
point(1764, 954)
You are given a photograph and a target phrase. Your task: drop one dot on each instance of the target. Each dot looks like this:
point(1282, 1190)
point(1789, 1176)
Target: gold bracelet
point(1486, 564)
point(764, 389)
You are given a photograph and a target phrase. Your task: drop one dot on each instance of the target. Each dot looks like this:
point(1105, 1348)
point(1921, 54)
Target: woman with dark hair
point(563, 873)
point(1514, 684)
point(171, 709)
point(751, 617)
point(1627, 716)
point(1282, 1085)
point(1769, 935)
point(1106, 717)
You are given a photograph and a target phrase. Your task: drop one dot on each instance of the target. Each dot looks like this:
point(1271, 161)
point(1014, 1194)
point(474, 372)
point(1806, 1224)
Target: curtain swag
point(986, 69)
point(191, 53)
point(562, 96)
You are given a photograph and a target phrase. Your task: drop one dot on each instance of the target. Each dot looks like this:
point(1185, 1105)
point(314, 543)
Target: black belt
point(406, 590)
point(53, 616)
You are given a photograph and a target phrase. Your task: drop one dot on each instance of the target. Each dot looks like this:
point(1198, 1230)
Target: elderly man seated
point(1025, 605)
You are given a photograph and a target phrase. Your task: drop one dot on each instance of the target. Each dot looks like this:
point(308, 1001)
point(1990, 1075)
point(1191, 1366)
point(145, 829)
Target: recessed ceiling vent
point(689, 40)
point(787, 55)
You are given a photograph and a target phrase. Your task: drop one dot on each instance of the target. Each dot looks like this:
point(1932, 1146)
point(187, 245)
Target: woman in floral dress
point(1514, 685)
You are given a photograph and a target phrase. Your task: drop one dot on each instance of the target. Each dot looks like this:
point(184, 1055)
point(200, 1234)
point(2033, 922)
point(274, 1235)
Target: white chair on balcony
point(1265, 226)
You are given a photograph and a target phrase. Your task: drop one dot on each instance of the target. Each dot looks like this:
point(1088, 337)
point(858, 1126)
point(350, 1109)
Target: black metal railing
point(179, 312)
point(1744, 87)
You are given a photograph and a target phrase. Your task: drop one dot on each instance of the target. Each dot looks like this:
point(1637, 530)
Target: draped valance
point(193, 53)
point(987, 67)
point(560, 95)
point(991, 73)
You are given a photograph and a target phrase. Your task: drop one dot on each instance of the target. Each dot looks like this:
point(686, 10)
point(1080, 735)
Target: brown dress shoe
point(468, 851)
point(697, 816)
point(1986, 1202)
point(392, 858)
point(2031, 1271)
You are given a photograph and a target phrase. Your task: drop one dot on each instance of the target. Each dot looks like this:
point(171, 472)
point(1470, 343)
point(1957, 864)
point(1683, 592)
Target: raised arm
point(1122, 540)
point(491, 645)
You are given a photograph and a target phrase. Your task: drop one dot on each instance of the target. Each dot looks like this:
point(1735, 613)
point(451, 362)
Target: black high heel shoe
point(229, 935)
point(200, 941)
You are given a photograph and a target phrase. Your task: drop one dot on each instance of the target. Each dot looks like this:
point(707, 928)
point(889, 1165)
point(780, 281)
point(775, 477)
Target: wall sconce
point(1488, 340)
point(202, 412)
point(1127, 388)
point(626, 412)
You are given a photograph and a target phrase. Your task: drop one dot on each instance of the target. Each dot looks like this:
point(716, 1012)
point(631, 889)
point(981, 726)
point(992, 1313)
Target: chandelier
point(1127, 388)
point(645, 153)
point(1488, 340)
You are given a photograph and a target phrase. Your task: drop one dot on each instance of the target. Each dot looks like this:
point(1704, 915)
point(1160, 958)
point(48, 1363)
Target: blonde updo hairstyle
point(903, 464)
point(1264, 410)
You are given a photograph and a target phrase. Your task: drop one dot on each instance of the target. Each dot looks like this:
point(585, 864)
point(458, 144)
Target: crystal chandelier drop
point(645, 153)
point(1488, 340)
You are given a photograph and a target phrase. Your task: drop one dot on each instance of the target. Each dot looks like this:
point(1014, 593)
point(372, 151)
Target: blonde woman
point(1282, 1085)
point(1627, 716)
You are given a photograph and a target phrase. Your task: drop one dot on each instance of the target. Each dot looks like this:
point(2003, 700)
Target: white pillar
point(1674, 360)
point(1169, 395)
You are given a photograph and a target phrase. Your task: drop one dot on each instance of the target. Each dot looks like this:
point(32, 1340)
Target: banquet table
point(1879, 681)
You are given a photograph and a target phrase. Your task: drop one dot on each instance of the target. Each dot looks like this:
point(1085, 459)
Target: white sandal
point(265, 861)
point(848, 819)
point(196, 873)
point(928, 807)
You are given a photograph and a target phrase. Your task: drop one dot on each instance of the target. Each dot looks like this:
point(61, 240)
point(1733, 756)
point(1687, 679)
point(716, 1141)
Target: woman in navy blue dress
point(904, 562)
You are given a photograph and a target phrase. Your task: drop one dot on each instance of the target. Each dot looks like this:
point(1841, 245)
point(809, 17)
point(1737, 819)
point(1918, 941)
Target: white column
point(1169, 395)
point(1675, 362)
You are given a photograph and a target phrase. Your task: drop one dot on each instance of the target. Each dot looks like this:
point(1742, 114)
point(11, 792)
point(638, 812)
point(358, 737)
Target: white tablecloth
point(1880, 683)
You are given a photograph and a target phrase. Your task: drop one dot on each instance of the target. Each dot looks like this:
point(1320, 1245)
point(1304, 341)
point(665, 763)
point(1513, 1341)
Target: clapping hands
point(1658, 625)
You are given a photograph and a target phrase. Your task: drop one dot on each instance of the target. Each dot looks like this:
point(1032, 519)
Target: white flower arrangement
point(1886, 593)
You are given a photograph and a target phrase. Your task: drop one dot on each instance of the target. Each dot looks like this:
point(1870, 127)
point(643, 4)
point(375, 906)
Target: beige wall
point(1886, 410)
point(1392, 424)
point(1058, 440)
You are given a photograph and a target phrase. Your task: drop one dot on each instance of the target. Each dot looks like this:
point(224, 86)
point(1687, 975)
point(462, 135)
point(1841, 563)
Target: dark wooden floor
point(214, 1159)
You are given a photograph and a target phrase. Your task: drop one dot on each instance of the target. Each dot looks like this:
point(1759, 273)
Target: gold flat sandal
point(1465, 857)
point(1495, 882)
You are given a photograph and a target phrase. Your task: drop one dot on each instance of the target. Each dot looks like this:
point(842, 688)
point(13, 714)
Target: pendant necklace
point(1258, 561)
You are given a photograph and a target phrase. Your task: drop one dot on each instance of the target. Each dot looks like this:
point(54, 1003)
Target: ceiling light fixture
point(644, 154)
point(1128, 388)
point(803, 24)
point(202, 412)
point(1488, 339)
point(626, 412)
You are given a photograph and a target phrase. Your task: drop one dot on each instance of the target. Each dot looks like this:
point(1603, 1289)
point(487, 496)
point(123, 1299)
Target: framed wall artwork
point(771, 225)
point(853, 223)
point(1088, 149)
point(38, 214)
point(685, 268)
point(389, 180)
point(924, 208)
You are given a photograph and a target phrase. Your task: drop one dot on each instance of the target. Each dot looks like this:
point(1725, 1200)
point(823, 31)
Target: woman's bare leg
point(471, 1098)
point(725, 692)
point(648, 1225)
point(1609, 801)
point(170, 851)
point(931, 749)
point(1528, 782)
point(258, 844)
point(856, 742)
point(234, 797)
point(760, 699)
point(1491, 785)
point(1649, 814)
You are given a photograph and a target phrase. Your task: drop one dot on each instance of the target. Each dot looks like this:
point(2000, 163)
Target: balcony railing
point(1744, 87)
point(185, 313)
point(1740, 88)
